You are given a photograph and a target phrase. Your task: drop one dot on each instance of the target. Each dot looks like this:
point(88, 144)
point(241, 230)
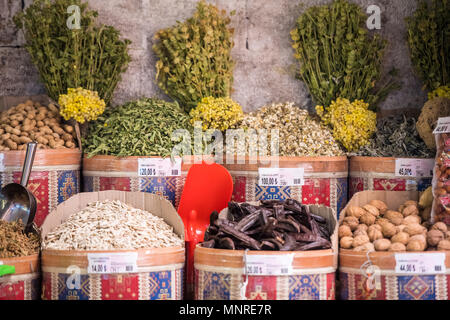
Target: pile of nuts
point(441, 181)
point(374, 227)
point(29, 122)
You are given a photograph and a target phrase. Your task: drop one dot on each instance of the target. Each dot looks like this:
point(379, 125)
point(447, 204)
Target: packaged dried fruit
point(441, 178)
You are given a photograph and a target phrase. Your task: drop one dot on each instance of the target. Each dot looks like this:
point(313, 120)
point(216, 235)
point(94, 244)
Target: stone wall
point(265, 65)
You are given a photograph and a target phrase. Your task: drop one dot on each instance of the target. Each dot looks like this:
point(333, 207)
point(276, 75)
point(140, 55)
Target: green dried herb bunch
point(338, 58)
point(92, 57)
point(138, 128)
point(429, 42)
point(396, 137)
point(195, 57)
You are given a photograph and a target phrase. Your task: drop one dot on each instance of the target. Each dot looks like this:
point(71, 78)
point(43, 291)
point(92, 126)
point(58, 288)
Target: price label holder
point(269, 265)
point(159, 167)
point(108, 263)
point(414, 168)
point(443, 126)
point(281, 177)
point(420, 263)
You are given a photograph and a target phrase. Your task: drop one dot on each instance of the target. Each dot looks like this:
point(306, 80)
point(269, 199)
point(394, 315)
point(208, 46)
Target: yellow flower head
point(217, 113)
point(353, 123)
point(441, 92)
point(81, 105)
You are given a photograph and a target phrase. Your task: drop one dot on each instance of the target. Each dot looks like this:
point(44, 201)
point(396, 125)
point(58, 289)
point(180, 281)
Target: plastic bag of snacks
point(441, 178)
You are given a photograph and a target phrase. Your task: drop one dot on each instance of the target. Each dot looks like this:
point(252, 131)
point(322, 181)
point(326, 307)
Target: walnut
point(374, 227)
point(440, 226)
point(434, 236)
point(388, 230)
point(374, 234)
point(360, 240)
point(346, 242)
point(394, 217)
point(397, 247)
point(382, 221)
point(365, 247)
point(382, 244)
point(444, 245)
point(372, 210)
point(368, 219)
point(421, 238)
point(401, 228)
point(362, 227)
point(352, 222)
point(380, 205)
point(413, 229)
point(447, 235)
point(415, 245)
point(401, 237)
point(359, 232)
point(412, 220)
point(410, 210)
point(354, 211)
point(411, 203)
point(344, 231)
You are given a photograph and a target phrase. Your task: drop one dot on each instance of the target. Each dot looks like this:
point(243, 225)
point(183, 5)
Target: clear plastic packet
point(441, 177)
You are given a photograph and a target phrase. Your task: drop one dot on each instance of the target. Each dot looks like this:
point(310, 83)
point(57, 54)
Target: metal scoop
point(16, 201)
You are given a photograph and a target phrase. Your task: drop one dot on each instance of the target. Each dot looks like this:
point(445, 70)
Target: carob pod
point(274, 225)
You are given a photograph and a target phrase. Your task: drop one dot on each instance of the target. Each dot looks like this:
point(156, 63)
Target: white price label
point(281, 177)
point(443, 126)
point(2, 161)
point(420, 263)
point(414, 168)
point(159, 167)
point(269, 265)
point(105, 263)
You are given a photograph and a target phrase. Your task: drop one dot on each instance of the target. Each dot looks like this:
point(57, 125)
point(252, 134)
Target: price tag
point(159, 167)
point(2, 162)
point(269, 265)
point(105, 263)
point(281, 177)
point(424, 167)
point(420, 263)
point(443, 126)
point(405, 167)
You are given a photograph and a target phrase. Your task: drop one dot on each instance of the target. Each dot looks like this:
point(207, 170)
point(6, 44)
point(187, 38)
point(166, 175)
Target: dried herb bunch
point(138, 128)
point(14, 242)
point(338, 58)
point(92, 57)
point(195, 57)
point(429, 42)
point(396, 137)
point(274, 226)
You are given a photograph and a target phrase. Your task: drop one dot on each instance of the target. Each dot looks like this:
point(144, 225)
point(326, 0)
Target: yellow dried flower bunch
point(352, 122)
point(217, 113)
point(81, 105)
point(441, 92)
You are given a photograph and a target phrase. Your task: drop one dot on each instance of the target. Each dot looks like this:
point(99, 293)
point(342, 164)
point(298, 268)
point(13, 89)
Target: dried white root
point(110, 225)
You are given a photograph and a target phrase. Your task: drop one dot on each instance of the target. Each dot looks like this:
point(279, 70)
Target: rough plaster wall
point(265, 65)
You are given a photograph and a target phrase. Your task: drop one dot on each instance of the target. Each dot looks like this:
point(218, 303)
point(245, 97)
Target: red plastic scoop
point(208, 187)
